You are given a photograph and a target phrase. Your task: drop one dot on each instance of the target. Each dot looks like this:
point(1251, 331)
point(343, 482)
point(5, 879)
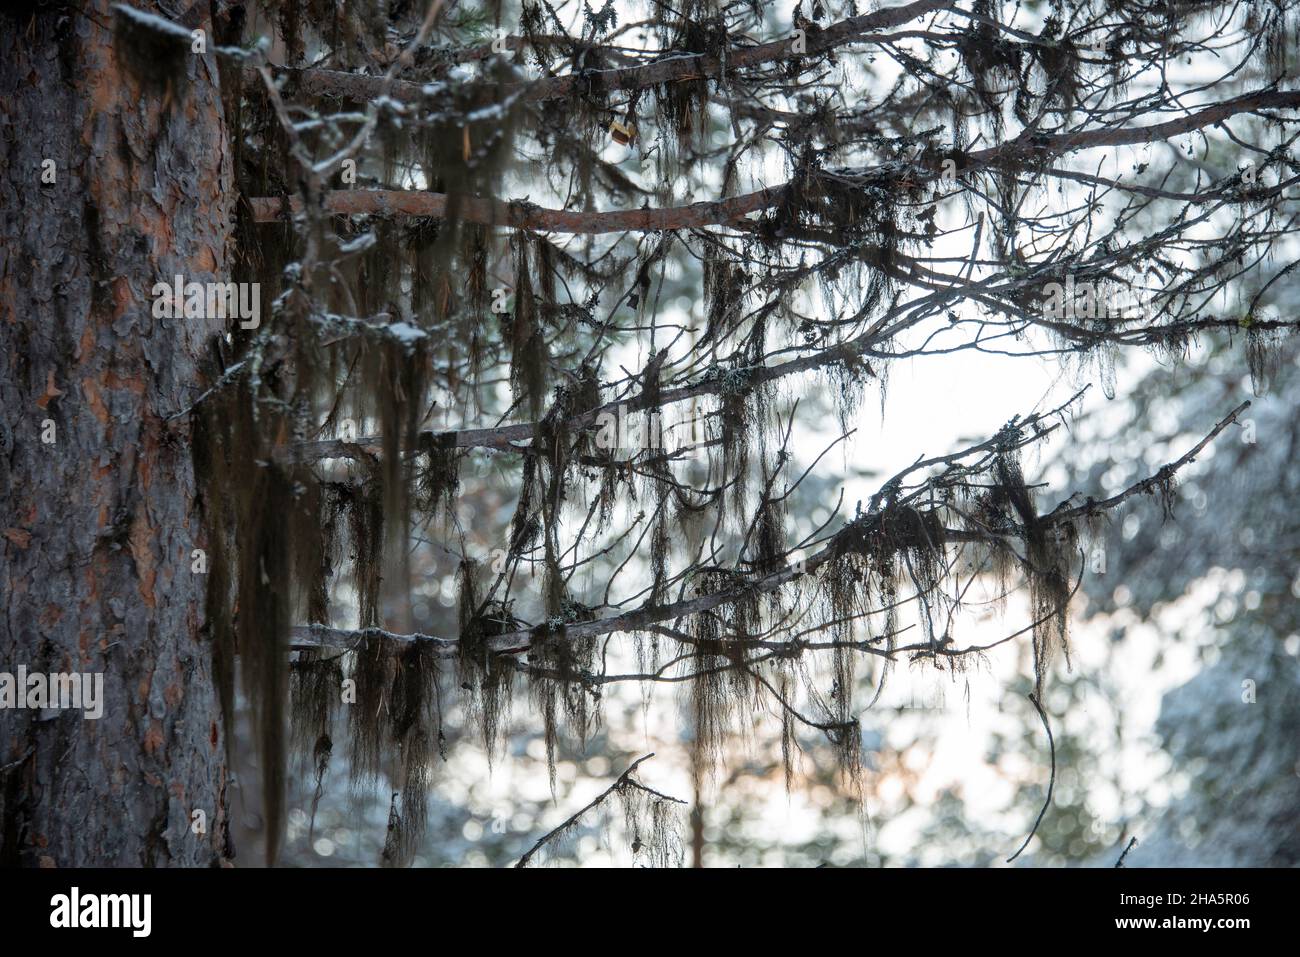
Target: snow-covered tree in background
point(1221, 575)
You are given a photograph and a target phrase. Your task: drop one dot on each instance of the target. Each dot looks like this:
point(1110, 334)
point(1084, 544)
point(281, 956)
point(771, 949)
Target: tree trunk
point(98, 524)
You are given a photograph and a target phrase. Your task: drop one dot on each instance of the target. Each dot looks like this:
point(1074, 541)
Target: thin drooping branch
point(1132, 843)
point(1051, 781)
point(625, 780)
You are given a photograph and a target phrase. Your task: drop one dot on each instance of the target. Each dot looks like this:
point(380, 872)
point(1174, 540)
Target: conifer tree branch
point(519, 436)
point(1025, 148)
point(669, 69)
point(1148, 484)
point(519, 640)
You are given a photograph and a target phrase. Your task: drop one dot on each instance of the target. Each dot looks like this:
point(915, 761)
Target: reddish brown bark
point(100, 525)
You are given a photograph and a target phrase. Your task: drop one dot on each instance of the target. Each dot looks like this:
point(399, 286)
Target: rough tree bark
point(98, 526)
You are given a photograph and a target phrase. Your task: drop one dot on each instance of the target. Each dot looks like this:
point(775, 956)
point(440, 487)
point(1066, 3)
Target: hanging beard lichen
point(725, 284)
point(259, 508)
point(439, 480)
point(1049, 558)
point(485, 678)
point(560, 669)
point(723, 694)
point(415, 730)
point(528, 357)
point(315, 680)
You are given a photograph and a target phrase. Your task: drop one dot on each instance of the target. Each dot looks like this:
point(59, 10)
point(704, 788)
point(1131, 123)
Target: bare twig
point(1051, 782)
point(624, 780)
point(1132, 843)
